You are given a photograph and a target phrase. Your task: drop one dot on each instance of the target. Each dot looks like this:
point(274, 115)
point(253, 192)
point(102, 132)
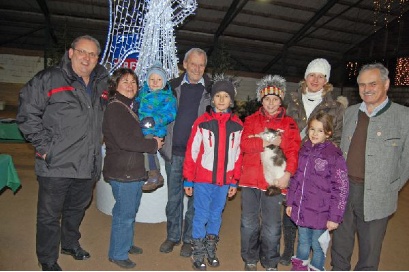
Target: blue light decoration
point(141, 32)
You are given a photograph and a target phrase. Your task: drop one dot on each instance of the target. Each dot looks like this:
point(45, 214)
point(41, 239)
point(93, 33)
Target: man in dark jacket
point(60, 113)
point(193, 97)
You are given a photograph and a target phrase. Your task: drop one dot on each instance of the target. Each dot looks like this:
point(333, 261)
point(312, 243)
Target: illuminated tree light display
point(143, 32)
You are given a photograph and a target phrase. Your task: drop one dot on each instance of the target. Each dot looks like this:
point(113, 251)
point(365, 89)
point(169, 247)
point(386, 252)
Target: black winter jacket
point(125, 143)
point(61, 120)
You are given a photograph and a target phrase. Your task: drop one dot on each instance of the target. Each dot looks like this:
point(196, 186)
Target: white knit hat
point(319, 66)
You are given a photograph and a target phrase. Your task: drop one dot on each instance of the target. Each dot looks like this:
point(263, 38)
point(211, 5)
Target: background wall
point(16, 68)
point(19, 66)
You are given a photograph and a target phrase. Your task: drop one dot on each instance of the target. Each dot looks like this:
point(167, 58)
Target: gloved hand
point(147, 122)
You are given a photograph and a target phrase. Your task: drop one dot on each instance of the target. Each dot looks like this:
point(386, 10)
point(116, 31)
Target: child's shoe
point(155, 180)
point(299, 265)
point(313, 268)
point(250, 266)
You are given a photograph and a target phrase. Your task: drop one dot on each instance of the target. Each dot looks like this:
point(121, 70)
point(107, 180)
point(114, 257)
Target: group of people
point(67, 113)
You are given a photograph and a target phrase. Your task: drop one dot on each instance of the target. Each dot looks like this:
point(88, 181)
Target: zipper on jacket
point(302, 192)
point(210, 139)
point(232, 139)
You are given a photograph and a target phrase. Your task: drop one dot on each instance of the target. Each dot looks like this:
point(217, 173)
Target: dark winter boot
point(299, 265)
point(289, 239)
point(198, 254)
point(211, 247)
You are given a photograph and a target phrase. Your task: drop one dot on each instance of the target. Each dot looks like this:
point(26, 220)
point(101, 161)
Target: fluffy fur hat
point(271, 85)
point(157, 68)
point(319, 66)
point(225, 84)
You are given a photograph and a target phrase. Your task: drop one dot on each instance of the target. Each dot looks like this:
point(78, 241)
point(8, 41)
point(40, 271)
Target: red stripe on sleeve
point(60, 89)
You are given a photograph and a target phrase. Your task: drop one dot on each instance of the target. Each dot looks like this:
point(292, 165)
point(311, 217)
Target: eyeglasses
point(84, 53)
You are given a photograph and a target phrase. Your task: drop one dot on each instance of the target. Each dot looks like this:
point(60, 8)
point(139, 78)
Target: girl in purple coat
point(318, 192)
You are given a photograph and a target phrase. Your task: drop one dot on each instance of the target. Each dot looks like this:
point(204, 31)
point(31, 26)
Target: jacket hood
point(327, 145)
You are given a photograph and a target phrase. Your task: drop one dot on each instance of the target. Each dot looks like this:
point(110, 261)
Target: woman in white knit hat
point(314, 95)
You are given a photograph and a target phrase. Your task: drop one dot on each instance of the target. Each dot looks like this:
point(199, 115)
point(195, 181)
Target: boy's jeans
point(307, 239)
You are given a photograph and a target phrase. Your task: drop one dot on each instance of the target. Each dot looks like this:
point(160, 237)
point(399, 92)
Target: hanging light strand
point(402, 72)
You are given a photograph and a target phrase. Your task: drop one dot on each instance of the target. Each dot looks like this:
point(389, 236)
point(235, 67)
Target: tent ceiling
point(260, 36)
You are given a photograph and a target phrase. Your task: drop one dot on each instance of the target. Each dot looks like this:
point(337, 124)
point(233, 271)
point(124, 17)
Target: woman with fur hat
point(156, 106)
point(314, 95)
point(261, 213)
point(212, 168)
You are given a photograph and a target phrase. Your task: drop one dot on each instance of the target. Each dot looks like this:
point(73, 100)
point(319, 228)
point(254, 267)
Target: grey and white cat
point(274, 161)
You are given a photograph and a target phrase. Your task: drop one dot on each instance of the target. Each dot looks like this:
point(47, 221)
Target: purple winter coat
point(319, 189)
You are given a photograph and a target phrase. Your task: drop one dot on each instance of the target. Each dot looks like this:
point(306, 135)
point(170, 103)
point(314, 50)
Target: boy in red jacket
point(212, 165)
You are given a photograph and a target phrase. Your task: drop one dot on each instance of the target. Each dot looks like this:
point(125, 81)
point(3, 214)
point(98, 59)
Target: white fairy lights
point(125, 25)
point(402, 72)
point(158, 38)
point(145, 27)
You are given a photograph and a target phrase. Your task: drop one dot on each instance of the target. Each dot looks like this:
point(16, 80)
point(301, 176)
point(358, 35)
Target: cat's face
point(270, 134)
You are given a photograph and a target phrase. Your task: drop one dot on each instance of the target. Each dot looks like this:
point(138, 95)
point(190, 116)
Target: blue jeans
point(174, 207)
point(127, 199)
point(260, 227)
point(307, 239)
point(209, 203)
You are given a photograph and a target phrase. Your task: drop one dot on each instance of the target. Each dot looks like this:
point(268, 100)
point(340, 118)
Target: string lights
point(158, 38)
point(144, 31)
point(402, 72)
point(382, 6)
point(123, 39)
point(352, 69)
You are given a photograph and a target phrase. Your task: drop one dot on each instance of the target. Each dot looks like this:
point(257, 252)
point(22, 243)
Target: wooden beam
point(46, 13)
point(295, 37)
point(230, 15)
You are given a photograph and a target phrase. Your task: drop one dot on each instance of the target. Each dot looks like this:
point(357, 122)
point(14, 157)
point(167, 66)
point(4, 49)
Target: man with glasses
point(60, 113)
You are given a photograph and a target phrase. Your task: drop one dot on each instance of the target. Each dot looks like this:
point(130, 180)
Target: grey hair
point(382, 69)
point(86, 37)
point(197, 51)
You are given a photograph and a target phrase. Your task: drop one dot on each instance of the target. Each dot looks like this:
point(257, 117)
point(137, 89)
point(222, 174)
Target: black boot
point(289, 239)
point(211, 247)
point(198, 254)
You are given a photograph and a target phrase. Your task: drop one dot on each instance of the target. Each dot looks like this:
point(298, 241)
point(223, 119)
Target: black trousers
point(60, 209)
point(370, 235)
